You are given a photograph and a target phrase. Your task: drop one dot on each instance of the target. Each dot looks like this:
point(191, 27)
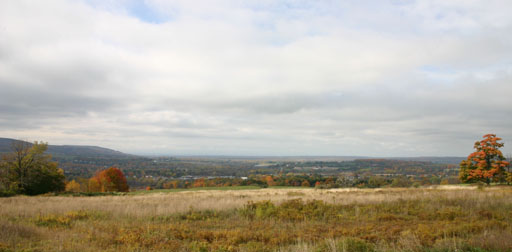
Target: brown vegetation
point(422, 219)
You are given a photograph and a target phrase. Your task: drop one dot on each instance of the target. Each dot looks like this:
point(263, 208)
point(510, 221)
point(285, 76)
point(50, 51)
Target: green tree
point(376, 182)
point(401, 181)
point(486, 164)
point(28, 170)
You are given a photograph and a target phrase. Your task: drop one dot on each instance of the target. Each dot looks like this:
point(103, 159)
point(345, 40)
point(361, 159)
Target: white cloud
point(257, 77)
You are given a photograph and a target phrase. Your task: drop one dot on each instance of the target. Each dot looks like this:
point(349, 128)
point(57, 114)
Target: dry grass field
point(416, 219)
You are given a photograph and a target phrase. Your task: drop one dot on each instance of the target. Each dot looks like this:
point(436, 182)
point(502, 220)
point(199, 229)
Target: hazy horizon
point(258, 78)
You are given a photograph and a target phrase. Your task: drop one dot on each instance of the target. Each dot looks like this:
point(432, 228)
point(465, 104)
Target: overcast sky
point(257, 77)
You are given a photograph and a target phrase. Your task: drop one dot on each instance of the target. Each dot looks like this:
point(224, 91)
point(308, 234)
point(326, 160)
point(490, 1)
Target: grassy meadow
point(445, 218)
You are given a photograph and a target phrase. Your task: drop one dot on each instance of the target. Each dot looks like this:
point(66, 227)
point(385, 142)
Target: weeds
point(360, 220)
point(65, 220)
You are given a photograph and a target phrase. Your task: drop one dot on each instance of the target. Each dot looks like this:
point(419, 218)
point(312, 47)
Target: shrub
point(65, 220)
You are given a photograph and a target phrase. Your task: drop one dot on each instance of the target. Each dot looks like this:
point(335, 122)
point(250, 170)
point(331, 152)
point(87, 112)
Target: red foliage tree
point(486, 164)
point(109, 180)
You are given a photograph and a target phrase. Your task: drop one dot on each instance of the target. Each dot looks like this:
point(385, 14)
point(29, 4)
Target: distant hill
point(272, 158)
point(70, 150)
point(435, 160)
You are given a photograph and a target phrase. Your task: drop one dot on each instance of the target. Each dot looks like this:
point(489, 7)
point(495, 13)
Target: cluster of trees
point(306, 180)
point(376, 166)
point(108, 180)
point(140, 170)
point(140, 167)
point(424, 172)
point(487, 164)
point(28, 170)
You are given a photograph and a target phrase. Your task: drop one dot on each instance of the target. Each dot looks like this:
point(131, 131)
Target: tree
point(269, 180)
point(486, 164)
point(4, 180)
point(73, 186)
point(376, 182)
point(401, 181)
point(509, 172)
point(199, 183)
point(94, 184)
point(109, 180)
point(28, 170)
point(305, 183)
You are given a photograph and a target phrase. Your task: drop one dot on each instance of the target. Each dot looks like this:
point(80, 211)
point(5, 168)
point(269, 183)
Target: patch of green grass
point(291, 187)
point(84, 194)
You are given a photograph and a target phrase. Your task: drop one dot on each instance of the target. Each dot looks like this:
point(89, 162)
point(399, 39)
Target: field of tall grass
point(446, 218)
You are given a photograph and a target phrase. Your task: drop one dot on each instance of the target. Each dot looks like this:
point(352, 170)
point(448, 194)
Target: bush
point(258, 210)
point(355, 245)
point(65, 220)
point(7, 193)
point(348, 244)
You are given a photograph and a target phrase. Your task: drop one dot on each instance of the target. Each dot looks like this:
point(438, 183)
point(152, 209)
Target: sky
point(258, 77)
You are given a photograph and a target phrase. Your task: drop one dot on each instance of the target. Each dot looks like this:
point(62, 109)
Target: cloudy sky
point(258, 77)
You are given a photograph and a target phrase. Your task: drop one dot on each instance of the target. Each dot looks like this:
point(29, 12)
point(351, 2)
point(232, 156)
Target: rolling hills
point(70, 150)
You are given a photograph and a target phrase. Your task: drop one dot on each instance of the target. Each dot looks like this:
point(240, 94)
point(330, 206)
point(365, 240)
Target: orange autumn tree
point(486, 164)
point(269, 180)
point(109, 180)
point(72, 186)
point(199, 183)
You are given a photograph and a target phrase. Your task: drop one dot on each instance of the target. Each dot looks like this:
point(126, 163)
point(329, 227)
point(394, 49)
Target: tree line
point(29, 170)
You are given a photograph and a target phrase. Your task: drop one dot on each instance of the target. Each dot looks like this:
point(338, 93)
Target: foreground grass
point(443, 219)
